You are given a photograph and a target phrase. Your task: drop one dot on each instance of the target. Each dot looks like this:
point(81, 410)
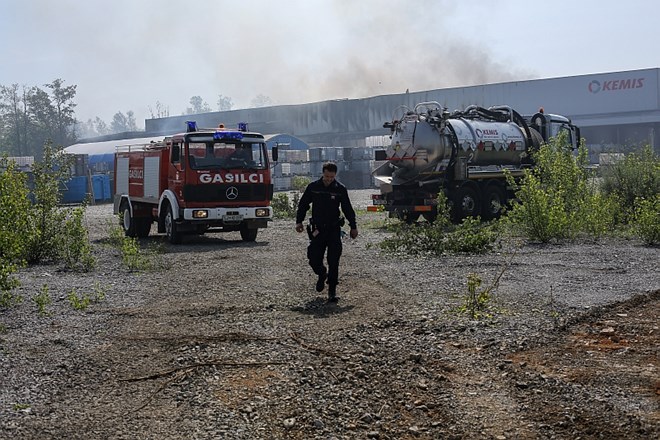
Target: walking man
point(326, 196)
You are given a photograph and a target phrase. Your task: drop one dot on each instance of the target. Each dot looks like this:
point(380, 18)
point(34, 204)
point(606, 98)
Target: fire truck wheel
point(173, 235)
point(142, 226)
point(493, 202)
point(128, 222)
point(248, 234)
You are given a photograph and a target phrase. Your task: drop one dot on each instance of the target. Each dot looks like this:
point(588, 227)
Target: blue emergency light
point(242, 126)
point(227, 135)
point(191, 126)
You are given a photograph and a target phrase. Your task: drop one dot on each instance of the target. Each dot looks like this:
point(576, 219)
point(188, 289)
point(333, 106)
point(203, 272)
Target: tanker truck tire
point(466, 203)
point(494, 201)
point(173, 235)
point(407, 216)
point(127, 221)
point(430, 216)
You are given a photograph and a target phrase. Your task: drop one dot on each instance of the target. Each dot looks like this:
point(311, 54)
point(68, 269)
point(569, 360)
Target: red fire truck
point(203, 180)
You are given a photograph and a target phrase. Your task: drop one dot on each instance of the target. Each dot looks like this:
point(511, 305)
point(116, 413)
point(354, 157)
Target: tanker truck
point(465, 154)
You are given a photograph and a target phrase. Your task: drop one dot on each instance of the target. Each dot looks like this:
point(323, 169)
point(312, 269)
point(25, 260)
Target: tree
point(198, 106)
point(92, 128)
point(261, 101)
point(15, 119)
point(122, 123)
point(63, 114)
point(161, 111)
point(224, 103)
point(30, 116)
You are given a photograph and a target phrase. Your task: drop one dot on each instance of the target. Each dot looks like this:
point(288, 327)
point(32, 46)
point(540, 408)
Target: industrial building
point(615, 111)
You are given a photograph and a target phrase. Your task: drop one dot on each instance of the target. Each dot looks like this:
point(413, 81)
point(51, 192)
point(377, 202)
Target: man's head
point(329, 173)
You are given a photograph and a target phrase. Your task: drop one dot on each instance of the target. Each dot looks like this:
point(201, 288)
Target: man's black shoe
point(320, 283)
point(332, 294)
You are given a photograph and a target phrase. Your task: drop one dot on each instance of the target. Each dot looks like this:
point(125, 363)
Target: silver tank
point(422, 139)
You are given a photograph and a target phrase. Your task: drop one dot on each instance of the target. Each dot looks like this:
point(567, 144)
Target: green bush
point(34, 228)
point(557, 199)
point(15, 207)
point(635, 177)
point(441, 236)
point(42, 300)
point(646, 221)
point(76, 250)
point(82, 301)
point(299, 183)
point(283, 207)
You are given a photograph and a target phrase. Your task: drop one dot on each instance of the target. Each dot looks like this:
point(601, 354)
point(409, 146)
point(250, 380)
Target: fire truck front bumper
point(228, 215)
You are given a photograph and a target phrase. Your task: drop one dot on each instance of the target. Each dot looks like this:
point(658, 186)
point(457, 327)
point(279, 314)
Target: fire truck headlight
point(200, 213)
point(261, 212)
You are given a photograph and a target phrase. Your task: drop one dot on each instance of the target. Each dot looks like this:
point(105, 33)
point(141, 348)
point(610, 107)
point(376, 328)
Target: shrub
point(637, 176)
point(440, 237)
point(646, 221)
point(283, 207)
point(42, 300)
point(33, 226)
point(556, 199)
point(76, 251)
point(7, 284)
point(299, 183)
point(82, 301)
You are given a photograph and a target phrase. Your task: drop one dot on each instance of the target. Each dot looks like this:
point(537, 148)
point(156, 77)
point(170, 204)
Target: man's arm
point(349, 212)
point(303, 206)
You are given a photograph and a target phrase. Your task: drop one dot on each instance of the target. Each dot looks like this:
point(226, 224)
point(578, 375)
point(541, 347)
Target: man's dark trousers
point(329, 239)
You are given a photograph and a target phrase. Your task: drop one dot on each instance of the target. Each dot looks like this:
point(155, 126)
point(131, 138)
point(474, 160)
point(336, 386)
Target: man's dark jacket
point(326, 201)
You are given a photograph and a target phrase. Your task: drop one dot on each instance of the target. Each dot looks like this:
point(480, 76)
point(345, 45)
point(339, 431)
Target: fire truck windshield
point(210, 155)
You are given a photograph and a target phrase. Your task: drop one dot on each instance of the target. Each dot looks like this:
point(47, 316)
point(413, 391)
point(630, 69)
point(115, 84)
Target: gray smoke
point(127, 55)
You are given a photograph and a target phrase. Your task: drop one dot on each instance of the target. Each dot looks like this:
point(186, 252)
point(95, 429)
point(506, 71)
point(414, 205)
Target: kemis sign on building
point(596, 86)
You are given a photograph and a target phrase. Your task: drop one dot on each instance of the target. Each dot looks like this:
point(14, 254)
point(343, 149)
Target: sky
point(134, 55)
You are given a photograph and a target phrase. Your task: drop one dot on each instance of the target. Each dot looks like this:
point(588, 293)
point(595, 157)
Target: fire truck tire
point(173, 235)
point(494, 201)
point(128, 222)
point(248, 234)
point(466, 203)
point(142, 226)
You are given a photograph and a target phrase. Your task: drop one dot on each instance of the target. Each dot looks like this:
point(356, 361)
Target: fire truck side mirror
point(176, 153)
point(275, 153)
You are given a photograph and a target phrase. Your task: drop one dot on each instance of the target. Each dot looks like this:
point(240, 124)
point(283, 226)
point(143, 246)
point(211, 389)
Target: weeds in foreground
point(133, 256)
point(42, 300)
point(82, 301)
point(476, 303)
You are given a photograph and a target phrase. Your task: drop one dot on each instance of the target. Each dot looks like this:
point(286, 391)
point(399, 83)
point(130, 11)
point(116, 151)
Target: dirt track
point(230, 340)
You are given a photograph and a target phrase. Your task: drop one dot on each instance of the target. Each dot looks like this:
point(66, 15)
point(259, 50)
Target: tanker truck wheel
point(173, 235)
point(466, 203)
point(494, 201)
point(407, 216)
point(127, 220)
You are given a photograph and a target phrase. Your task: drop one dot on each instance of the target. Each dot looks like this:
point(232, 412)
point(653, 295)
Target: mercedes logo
point(232, 192)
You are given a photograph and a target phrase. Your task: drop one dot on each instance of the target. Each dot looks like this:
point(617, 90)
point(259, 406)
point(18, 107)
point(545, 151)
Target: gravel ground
point(229, 340)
